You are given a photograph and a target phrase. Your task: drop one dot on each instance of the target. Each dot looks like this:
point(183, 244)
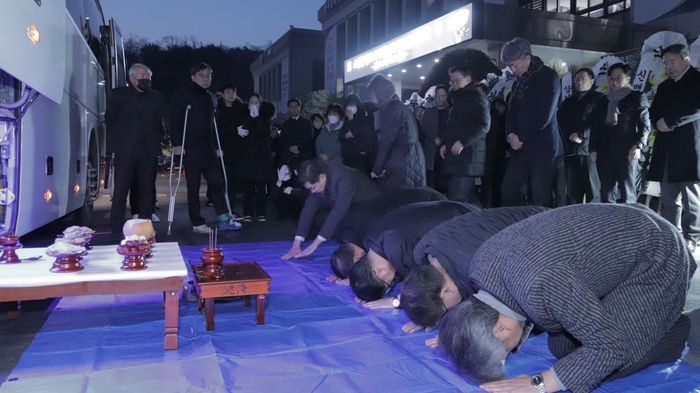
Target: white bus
point(60, 58)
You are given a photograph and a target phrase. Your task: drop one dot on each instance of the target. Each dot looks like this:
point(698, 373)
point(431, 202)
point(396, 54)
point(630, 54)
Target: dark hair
point(355, 100)
point(443, 87)
point(461, 68)
point(420, 296)
point(294, 100)
point(342, 260)
point(227, 86)
point(199, 67)
point(381, 87)
point(466, 336)
point(676, 49)
point(309, 171)
point(363, 281)
point(255, 95)
point(500, 101)
point(335, 107)
point(515, 49)
point(416, 108)
point(619, 66)
point(587, 71)
point(317, 115)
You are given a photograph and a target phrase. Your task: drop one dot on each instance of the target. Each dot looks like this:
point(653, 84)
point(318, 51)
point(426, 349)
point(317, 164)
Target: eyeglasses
point(618, 79)
point(204, 75)
point(455, 81)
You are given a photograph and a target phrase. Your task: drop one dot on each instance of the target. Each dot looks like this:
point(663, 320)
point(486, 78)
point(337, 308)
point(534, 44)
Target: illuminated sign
point(440, 33)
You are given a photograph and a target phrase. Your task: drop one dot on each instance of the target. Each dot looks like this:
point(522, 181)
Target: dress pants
point(681, 207)
point(254, 198)
point(459, 187)
point(539, 171)
point(215, 182)
point(582, 179)
point(621, 172)
point(132, 169)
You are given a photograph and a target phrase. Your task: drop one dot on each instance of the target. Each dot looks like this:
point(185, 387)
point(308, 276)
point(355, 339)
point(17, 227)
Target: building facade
point(292, 67)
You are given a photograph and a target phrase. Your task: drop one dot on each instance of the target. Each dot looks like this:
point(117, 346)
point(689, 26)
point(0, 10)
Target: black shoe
point(209, 203)
point(156, 206)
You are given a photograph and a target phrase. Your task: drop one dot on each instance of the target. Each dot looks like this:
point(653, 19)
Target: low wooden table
point(32, 280)
point(240, 279)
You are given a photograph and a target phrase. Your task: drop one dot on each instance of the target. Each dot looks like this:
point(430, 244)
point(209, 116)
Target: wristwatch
point(537, 382)
point(396, 302)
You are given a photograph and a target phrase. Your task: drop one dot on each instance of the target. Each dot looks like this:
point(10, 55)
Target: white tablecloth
point(101, 264)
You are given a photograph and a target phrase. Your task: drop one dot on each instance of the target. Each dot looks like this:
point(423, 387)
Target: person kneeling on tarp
point(607, 282)
point(390, 247)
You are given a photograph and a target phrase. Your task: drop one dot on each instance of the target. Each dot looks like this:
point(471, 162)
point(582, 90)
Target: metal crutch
point(171, 205)
point(223, 168)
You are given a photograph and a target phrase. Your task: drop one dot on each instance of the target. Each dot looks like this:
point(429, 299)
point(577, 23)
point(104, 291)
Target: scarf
point(614, 98)
point(524, 81)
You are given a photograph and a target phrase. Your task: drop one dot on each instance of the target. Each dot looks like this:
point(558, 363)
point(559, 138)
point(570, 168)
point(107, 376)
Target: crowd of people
point(464, 204)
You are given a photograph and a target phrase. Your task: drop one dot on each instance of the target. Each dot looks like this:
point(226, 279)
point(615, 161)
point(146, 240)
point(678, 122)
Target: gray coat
point(613, 276)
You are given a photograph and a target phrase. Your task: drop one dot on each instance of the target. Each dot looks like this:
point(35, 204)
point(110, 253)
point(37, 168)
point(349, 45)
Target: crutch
point(223, 168)
point(171, 205)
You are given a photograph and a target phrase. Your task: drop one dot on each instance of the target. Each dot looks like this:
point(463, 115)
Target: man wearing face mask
point(134, 118)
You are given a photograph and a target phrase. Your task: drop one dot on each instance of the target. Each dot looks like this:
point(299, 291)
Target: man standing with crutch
point(200, 148)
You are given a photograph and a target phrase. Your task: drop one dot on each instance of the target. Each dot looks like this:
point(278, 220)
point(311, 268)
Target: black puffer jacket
point(399, 151)
point(398, 232)
point(632, 128)
point(255, 162)
point(454, 242)
point(359, 221)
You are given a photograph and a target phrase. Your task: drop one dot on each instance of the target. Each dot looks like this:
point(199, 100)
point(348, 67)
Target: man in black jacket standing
point(574, 118)
point(134, 118)
point(229, 111)
point(296, 135)
point(464, 150)
point(200, 150)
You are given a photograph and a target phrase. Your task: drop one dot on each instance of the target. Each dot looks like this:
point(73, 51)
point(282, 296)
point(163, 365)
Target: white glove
point(283, 173)
point(242, 131)
point(287, 190)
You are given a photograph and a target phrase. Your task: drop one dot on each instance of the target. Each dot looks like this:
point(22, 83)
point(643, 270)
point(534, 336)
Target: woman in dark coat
point(255, 164)
point(358, 139)
point(619, 131)
point(400, 162)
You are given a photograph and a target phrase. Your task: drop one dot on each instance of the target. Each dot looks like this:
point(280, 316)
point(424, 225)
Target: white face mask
point(352, 109)
point(333, 119)
point(253, 110)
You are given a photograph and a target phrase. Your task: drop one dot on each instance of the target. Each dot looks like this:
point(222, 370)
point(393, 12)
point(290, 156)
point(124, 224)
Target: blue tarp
point(316, 339)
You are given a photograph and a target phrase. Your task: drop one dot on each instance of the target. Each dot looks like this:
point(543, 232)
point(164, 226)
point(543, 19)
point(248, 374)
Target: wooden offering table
point(102, 275)
point(240, 279)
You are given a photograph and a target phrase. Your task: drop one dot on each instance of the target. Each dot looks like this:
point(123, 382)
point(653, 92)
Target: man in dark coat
point(359, 221)
point(440, 278)
point(390, 245)
point(531, 126)
point(229, 113)
point(675, 162)
point(338, 188)
point(400, 162)
point(434, 127)
point(574, 118)
point(134, 118)
point(296, 135)
point(464, 148)
point(200, 149)
point(608, 290)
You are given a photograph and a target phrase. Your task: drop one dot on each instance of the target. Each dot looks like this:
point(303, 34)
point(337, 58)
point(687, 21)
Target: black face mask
point(144, 84)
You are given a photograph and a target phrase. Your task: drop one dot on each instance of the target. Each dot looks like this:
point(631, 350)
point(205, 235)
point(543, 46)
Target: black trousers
point(254, 198)
point(130, 169)
point(358, 161)
point(582, 178)
point(539, 171)
point(133, 195)
point(215, 183)
point(620, 172)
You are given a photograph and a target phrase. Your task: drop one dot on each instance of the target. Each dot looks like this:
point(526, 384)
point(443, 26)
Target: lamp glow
point(33, 34)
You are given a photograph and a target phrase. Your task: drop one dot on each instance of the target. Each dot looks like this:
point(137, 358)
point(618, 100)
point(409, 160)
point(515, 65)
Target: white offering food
point(76, 231)
point(71, 240)
point(138, 226)
point(133, 238)
point(64, 248)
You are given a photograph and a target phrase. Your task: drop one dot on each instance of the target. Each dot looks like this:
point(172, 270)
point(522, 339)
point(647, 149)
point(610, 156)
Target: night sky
point(229, 22)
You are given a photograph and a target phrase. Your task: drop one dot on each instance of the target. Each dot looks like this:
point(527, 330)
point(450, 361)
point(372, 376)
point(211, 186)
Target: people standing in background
point(531, 126)
point(574, 117)
point(400, 162)
point(620, 130)
point(317, 120)
point(328, 143)
point(229, 114)
point(434, 129)
point(358, 139)
point(296, 135)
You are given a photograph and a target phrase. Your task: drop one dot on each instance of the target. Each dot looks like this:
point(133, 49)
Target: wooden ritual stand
point(240, 279)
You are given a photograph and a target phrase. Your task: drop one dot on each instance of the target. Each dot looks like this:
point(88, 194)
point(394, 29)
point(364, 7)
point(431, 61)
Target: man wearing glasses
point(532, 129)
point(200, 150)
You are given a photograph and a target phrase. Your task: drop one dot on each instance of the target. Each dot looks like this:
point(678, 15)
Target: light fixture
point(389, 75)
point(33, 34)
point(76, 188)
point(419, 66)
point(48, 195)
point(404, 70)
point(437, 60)
point(422, 77)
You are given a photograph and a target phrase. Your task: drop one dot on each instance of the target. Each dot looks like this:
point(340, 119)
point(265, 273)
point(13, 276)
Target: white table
point(31, 280)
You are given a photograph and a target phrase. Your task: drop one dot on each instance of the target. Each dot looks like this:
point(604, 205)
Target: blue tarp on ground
point(316, 339)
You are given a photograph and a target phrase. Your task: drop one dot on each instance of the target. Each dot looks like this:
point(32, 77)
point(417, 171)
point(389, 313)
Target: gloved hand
point(283, 173)
point(242, 131)
point(287, 190)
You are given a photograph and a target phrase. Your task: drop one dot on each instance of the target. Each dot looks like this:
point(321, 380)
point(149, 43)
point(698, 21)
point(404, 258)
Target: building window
point(590, 8)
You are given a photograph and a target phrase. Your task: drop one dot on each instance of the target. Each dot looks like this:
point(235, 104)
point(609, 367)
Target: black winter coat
point(359, 221)
point(678, 103)
point(256, 152)
point(399, 151)
point(200, 140)
point(300, 133)
point(228, 119)
point(134, 122)
point(364, 137)
point(453, 243)
point(574, 116)
point(397, 233)
point(632, 128)
point(469, 122)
